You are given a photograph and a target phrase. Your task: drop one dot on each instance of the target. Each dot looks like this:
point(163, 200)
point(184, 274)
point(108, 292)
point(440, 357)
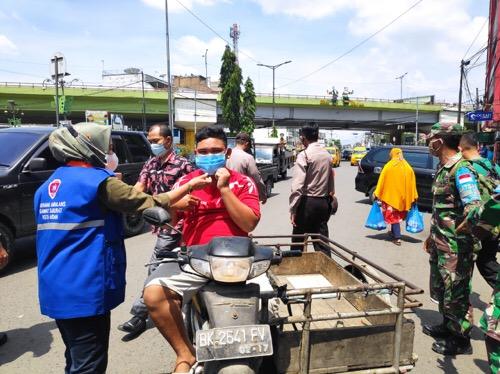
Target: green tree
point(249, 105)
point(231, 101)
point(227, 67)
point(338, 143)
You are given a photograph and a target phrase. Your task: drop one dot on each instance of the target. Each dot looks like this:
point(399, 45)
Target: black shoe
point(436, 331)
point(136, 325)
point(452, 346)
point(3, 338)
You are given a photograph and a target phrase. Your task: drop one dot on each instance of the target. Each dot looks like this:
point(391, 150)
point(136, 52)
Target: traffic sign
point(479, 115)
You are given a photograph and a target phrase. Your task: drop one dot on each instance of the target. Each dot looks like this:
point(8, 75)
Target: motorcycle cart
point(337, 315)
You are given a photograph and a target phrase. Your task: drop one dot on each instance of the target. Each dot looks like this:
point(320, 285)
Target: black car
point(422, 162)
point(346, 154)
point(26, 162)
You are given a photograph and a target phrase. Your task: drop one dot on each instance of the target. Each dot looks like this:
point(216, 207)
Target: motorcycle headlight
point(230, 270)
point(200, 266)
point(259, 268)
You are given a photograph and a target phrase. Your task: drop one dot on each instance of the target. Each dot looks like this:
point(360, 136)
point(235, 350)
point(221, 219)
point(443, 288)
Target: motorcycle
point(227, 321)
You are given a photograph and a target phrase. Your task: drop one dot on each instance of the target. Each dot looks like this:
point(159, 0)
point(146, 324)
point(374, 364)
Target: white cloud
point(7, 47)
point(175, 7)
point(187, 55)
point(428, 43)
point(307, 9)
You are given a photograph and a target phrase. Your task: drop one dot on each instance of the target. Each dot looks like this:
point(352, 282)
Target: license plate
point(233, 342)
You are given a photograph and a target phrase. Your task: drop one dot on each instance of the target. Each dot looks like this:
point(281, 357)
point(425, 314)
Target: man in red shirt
point(229, 206)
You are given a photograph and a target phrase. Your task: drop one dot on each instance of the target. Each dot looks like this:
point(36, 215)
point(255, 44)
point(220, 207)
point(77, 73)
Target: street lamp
point(401, 84)
point(273, 68)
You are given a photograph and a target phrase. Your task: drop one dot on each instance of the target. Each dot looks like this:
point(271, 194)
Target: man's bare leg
point(164, 306)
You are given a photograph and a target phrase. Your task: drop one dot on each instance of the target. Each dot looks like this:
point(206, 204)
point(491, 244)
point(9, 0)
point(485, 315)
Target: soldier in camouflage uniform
point(485, 221)
point(488, 179)
point(455, 193)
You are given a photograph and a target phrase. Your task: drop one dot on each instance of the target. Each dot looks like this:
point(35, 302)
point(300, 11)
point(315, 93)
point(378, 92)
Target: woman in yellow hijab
point(397, 190)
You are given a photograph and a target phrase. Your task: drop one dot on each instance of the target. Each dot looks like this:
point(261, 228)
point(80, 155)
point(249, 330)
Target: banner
point(97, 116)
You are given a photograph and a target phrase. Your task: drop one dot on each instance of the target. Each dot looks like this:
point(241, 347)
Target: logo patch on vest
point(54, 187)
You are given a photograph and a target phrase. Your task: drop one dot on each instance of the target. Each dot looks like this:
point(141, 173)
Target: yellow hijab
point(396, 185)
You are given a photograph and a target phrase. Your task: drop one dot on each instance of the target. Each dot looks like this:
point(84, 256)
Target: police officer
point(80, 246)
point(455, 193)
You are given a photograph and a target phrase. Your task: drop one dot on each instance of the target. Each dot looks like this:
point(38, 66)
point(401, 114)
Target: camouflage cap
point(445, 128)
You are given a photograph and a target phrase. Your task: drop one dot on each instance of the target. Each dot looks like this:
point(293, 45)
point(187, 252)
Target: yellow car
point(357, 154)
point(335, 152)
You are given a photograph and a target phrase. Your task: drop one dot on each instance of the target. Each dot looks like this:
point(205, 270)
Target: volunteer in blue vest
point(80, 247)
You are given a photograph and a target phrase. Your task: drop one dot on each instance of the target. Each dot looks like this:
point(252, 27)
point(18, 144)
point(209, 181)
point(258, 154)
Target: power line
point(213, 30)
point(475, 38)
point(356, 46)
point(20, 73)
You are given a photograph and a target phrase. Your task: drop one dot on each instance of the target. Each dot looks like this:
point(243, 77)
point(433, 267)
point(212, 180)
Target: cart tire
point(133, 224)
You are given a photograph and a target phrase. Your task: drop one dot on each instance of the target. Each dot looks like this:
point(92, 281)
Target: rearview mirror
point(156, 216)
point(37, 164)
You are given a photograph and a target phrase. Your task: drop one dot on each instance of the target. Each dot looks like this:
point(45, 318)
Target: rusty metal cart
point(338, 314)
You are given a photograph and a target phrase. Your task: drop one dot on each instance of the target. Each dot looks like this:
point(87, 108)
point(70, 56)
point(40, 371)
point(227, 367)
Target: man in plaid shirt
point(158, 175)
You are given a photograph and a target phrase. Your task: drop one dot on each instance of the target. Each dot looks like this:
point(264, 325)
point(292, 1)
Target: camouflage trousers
point(450, 285)
point(493, 349)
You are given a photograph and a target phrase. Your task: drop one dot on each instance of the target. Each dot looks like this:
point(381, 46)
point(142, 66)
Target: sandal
point(397, 242)
point(195, 368)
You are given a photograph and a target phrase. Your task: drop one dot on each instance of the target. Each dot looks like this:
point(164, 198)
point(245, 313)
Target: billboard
point(97, 116)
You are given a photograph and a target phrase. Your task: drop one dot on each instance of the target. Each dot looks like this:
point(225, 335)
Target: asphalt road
point(35, 345)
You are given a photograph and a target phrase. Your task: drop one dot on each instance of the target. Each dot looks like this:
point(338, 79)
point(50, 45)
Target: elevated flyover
point(37, 105)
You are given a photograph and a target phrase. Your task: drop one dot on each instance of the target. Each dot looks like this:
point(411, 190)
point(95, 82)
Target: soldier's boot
point(453, 345)
point(437, 331)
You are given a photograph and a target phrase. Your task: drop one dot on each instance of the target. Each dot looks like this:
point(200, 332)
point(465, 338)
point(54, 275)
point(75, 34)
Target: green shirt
point(121, 197)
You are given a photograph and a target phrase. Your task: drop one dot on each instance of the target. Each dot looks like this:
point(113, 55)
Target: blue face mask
point(158, 149)
point(211, 162)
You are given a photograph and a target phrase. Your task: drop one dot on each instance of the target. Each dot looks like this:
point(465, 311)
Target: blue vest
point(80, 247)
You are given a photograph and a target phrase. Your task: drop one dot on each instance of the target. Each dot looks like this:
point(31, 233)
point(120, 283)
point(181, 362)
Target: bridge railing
point(81, 85)
point(353, 98)
point(127, 87)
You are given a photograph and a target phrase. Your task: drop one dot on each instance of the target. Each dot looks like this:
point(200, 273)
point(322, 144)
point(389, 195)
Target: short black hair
point(211, 132)
point(243, 138)
point(469, 141)
point(452, 141)
point(164, 129)
point(310, 131)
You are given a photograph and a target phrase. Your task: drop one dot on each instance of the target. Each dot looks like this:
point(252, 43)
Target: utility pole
point(143, 103)
point(170, 97)
point(416, 125)
point(401, 84)
point(234, 33)
point(206, 69)
point(478, 125)
point(55, 60)
point(273, 68)
point(195, 112)
point(463, 64)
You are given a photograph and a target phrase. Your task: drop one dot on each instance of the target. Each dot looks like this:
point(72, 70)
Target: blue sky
point(428, 42)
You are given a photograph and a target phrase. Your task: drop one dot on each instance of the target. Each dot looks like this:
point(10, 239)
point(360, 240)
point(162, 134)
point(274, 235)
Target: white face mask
point(111, 161)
